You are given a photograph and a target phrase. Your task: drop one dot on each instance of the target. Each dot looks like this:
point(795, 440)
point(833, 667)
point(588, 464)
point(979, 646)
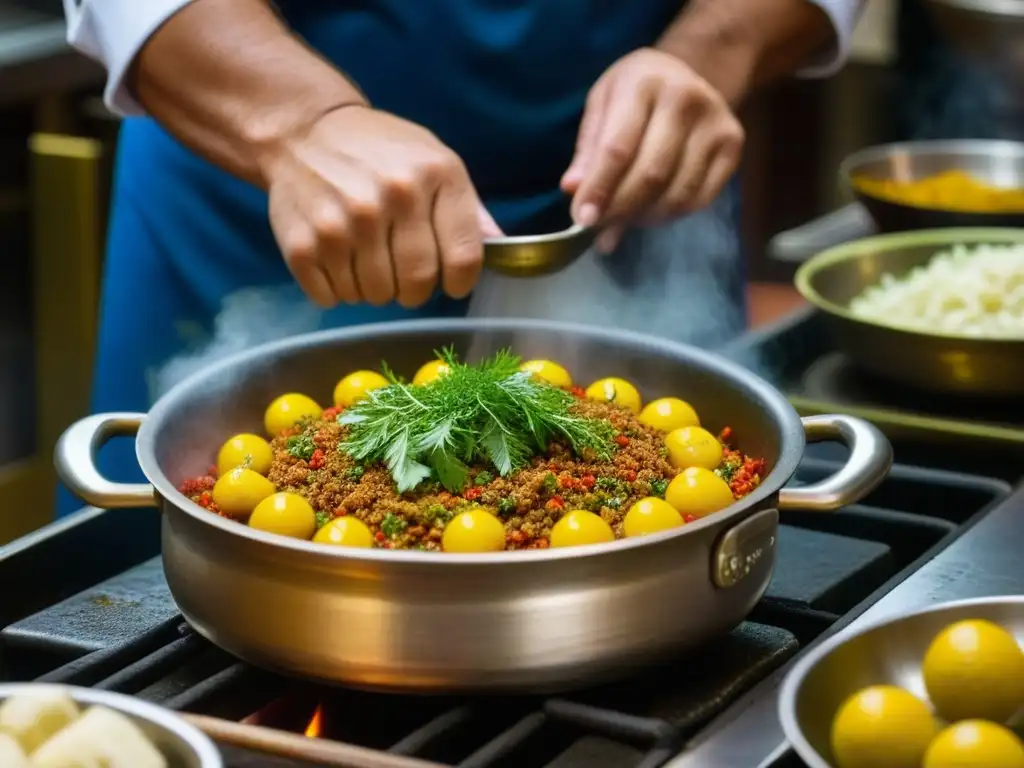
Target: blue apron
point(502, 82)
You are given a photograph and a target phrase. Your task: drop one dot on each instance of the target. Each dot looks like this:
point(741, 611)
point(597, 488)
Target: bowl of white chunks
point(57, 726)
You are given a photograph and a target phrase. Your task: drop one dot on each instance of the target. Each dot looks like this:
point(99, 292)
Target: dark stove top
point(96, 612)
point(92, 608)
point(834, 378)
point(967, 434)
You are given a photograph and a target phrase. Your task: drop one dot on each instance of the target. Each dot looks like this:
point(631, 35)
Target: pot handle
point(869, 463)
point(851, 222)
point(75, 458)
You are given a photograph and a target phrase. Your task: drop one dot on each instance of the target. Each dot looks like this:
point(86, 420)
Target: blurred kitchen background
point(907, 78)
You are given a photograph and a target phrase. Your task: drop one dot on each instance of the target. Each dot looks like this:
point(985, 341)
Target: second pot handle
point(75, 457)
point(851, 222)
point(869, 463)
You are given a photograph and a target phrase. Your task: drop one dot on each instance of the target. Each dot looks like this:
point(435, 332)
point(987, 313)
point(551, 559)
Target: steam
point(248, 317)
point(682, 281)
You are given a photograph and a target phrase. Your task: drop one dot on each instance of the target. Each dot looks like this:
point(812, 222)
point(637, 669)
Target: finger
point(722, 168)
point(342, 276)
point(334, 249)
point(624, 125)
point(457, 229)
point(586, 139)
point(610, 238)
point(656, 165)
point(411, 246)
point(415, 256)
point(297, 240)
point(692, 170)
point(691, 188)
point(374, 270)
point(488, 226)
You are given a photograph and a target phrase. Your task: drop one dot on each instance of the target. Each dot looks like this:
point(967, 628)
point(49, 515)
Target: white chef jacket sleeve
point(844, 15)
point(113, 32)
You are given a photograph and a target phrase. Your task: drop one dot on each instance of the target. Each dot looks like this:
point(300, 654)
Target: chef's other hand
point(656, 141)
point(369, 207)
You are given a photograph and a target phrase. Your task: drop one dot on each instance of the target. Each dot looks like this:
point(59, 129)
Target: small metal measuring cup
point(537, 255)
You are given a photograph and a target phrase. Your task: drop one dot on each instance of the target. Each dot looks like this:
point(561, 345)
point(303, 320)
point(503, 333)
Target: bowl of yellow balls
point(940, 688)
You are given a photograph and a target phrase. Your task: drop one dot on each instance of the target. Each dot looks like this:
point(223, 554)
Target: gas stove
point(90, 607)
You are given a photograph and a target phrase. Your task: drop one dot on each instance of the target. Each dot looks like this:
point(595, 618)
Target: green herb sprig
point(301, 446)
point(490, 411)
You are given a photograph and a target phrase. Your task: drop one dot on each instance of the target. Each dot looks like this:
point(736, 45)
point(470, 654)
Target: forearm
point(739, 45)
point(234, 97)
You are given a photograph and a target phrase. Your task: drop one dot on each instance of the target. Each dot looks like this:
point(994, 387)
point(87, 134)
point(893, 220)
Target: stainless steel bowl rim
point(996, 148)
point(798, 673)
point(940, 238)
point(552, 237)
point(207, 752)
point(791, 449)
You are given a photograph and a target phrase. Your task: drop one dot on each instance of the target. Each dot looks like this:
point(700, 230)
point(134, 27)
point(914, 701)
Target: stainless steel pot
point(182, 744)
point(515, 620)
point(890, 652)
point(930, 361)
point(999, 163)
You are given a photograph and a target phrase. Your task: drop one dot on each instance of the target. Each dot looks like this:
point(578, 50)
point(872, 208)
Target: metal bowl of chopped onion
point(936, 310)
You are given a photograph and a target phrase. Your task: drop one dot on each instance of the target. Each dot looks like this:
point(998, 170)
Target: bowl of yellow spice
point(917, 185)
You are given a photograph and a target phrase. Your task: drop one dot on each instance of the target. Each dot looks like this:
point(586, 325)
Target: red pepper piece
point(318, 459)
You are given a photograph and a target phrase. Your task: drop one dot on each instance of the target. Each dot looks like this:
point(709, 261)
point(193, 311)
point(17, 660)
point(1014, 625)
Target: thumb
point(488, 226)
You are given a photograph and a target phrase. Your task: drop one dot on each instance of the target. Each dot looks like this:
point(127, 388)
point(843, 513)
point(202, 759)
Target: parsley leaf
point(301, 446)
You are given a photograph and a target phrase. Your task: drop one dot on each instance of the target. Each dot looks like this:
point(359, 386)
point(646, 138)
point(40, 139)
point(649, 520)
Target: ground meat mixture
point(307, 461)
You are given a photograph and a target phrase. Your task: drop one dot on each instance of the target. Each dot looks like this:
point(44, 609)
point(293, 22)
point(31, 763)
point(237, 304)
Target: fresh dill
point(490, 411)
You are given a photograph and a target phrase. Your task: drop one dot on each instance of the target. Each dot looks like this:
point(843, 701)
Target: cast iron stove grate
point(90, 614)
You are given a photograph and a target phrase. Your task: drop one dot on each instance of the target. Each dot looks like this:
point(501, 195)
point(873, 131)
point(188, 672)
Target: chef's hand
point(369, 207)
point(656, 141)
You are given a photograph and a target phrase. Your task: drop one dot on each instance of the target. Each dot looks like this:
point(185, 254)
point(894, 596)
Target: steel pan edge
point(553, 625)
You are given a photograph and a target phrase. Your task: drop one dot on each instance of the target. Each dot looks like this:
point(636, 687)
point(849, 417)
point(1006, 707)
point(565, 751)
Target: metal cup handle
point(869, 463)
point(75, 458)
point(797, 245)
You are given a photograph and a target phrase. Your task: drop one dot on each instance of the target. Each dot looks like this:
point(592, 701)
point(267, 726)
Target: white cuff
point(113, 32)
point(844, 15)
